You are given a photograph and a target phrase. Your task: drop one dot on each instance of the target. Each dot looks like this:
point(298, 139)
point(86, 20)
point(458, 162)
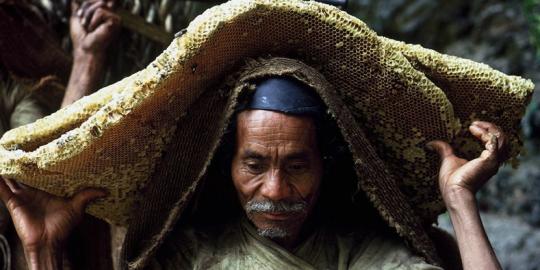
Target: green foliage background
point(532, 11)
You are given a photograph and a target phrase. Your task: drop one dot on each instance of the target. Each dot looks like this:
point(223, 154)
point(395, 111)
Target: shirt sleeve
point(26, 108)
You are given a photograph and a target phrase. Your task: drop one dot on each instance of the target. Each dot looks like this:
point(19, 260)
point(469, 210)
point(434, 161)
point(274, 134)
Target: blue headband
point(286, 95)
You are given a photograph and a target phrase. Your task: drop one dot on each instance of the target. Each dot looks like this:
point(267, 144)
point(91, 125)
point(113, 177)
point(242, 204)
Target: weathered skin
point(43, 222)
point(459, 180)
point(277, 159)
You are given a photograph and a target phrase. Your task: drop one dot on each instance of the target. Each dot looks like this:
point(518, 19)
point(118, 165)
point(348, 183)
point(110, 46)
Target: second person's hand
point(93, 26)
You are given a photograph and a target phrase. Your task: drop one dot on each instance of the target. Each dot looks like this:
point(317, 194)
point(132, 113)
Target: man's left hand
point(460, 176)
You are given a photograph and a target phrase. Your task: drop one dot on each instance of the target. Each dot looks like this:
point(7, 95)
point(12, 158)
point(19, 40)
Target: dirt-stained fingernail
point(492, 144)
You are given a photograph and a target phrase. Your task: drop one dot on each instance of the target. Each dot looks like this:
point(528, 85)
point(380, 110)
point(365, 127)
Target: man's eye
point(297, 167)
point(254, 167)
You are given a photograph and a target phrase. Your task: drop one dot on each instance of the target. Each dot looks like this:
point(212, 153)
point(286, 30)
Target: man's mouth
point(276, 216)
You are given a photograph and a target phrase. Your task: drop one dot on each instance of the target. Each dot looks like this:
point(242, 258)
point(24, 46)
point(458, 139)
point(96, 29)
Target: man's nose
point(275, 186)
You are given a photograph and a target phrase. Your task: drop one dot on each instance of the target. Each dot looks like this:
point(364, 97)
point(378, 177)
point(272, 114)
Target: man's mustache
point(269, 206)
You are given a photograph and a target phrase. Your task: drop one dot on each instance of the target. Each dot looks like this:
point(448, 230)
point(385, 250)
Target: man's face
point(276, 170)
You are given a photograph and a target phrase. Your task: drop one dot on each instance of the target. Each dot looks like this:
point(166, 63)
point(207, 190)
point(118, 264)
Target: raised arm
point(93, 26)
point(459, 180)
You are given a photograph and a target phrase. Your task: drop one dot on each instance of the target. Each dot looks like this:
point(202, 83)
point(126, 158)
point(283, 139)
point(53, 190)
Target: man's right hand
point(43, 221)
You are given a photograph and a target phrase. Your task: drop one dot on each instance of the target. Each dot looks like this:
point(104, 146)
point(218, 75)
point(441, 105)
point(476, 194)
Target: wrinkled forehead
point(271, 128)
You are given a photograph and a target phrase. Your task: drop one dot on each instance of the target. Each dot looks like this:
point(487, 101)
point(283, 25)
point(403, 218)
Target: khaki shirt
point(238, 246)
point(17, 106)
